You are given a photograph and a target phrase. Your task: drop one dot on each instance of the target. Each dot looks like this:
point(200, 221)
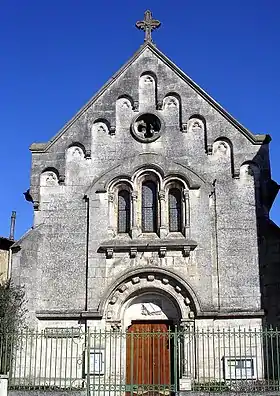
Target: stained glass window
point(175, 210)
point(149, 207)
point(123, 211)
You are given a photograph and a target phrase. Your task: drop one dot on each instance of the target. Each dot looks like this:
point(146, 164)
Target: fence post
point(3, 385)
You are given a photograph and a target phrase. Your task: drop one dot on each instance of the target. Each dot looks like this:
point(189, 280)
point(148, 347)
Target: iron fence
point(119, 362)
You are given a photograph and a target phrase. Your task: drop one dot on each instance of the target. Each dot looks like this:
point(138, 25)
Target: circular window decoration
point(146, 127)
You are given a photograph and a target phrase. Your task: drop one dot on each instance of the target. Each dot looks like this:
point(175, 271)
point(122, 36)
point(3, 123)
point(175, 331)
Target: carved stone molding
point(162, 251)
point(184, 127)
point(133, 252)
point(160, 105)
point(61, 179)
point(135, 105)
point(36, 205)
point(132, 246)
point(161, 283)
point(109, 253)
point(112, 130)
point(209, 149)
point(88, 154)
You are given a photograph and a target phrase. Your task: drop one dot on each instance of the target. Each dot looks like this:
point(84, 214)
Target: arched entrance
point(147, 308)
point(150, 319)
point(150, 306)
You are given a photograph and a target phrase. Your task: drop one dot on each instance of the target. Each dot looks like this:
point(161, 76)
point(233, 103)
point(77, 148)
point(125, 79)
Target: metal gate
point(140, 361)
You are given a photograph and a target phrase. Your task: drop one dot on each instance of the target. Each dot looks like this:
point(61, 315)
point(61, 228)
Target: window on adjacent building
point(149, 207)
point(123, 211)
point(175, 210)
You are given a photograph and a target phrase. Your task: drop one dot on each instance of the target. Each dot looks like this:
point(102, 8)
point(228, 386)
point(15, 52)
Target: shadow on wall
point(266, 191)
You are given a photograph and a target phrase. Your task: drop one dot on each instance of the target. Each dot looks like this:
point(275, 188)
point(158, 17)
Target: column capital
point(134, 195)
point(111, 197)
point(161, 195)
point(186, 193)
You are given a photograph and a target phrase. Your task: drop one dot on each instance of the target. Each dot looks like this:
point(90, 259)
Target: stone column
point(186, 213)
point(163, 229)
point(134, 230)
point(111, 227)
point(187, 354)
point(3, 385)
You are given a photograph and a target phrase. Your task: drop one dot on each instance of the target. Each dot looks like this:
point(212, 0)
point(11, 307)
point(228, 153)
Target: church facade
point(148, 209)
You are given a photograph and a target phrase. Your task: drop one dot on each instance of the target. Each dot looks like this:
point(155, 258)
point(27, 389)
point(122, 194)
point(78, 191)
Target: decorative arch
point(75, 150)
point(150, 172)
point(149, 279)
point(147, 90)
point(171, 107)
point(129, 167)
point(102, 125)
point(172, 101)
point(49, 177)
point(126, 99)
point(177, 179)
point(77, 144)
point(223, 149)
point(119, 206)
point(197, 125)
point(177, 205)
point(149, 73)
point(250, 170)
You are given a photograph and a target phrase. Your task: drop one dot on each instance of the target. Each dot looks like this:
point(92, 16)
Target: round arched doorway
point(145, 309)
point(151, 306)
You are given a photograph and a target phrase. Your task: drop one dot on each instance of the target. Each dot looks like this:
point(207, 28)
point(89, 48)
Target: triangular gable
point(255, 139)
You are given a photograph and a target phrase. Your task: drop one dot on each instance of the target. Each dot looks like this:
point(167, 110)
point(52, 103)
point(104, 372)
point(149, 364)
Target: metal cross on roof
point(148, 25)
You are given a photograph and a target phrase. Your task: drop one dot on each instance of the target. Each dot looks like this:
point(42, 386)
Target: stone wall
point(4, 259)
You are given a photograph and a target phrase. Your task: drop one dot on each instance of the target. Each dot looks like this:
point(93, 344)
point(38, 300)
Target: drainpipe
point(214, 195)
point(86, 261)
point(11, 237)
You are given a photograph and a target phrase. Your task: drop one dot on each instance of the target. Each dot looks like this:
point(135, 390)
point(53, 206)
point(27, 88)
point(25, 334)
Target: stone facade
point(5, 244)
point(149, 124)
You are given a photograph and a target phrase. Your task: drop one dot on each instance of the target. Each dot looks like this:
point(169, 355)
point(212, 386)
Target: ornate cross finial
point(148, 25)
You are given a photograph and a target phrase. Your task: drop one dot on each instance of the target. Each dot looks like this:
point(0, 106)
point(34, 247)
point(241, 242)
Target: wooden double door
point(149, 358)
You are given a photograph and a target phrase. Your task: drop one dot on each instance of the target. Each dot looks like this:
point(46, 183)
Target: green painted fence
point(116, 362)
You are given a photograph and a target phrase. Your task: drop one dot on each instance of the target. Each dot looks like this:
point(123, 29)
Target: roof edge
point(257, 139)
point(43, 147)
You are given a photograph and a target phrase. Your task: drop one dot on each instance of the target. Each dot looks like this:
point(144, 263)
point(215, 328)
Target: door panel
point(148, 356)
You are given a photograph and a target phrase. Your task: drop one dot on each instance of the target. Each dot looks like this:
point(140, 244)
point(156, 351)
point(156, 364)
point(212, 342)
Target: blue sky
point(55, 54)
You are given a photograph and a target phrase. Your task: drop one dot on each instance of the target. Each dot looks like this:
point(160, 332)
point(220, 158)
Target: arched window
point(149, 207)
point(123, 211)
point(175, 210)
